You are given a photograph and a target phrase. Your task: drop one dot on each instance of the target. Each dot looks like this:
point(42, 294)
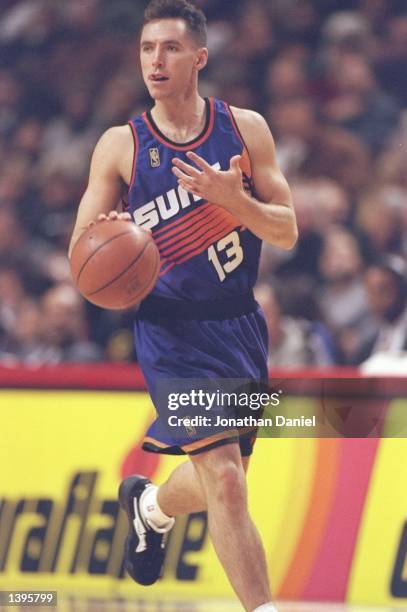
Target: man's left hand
point(222, 187)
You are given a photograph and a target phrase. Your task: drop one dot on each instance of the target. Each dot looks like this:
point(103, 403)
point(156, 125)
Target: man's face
point(170, 58)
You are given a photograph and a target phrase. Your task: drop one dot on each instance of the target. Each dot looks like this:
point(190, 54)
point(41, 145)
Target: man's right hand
point(112, 216)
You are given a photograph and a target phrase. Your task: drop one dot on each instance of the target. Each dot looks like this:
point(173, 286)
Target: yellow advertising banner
point(331, 512)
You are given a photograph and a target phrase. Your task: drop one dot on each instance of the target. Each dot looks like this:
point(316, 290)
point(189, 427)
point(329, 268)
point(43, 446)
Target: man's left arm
point(270, 214)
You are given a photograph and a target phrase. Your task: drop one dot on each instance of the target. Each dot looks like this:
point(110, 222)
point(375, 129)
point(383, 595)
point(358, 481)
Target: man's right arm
point(110, 167)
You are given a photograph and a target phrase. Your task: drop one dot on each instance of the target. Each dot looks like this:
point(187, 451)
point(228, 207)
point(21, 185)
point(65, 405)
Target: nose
point(157, 59)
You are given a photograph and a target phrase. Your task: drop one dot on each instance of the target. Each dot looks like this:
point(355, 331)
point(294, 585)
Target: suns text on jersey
point(165, 206)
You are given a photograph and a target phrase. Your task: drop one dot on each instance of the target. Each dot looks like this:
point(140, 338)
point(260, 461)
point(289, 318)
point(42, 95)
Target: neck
point(181, 119)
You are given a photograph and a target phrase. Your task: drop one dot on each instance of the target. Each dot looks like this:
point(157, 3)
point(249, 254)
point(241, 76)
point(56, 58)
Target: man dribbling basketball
point(192, 166)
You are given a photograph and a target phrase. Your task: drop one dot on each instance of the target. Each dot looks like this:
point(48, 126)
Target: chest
point(155, 196)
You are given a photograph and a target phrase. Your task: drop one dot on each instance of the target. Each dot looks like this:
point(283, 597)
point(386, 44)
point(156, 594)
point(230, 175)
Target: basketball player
point(203, 178)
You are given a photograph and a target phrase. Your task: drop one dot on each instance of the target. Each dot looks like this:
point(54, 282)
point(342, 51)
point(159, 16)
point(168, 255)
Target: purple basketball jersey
point(205, 252)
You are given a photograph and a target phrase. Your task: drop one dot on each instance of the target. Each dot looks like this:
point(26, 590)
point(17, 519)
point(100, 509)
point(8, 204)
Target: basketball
point(115, 264)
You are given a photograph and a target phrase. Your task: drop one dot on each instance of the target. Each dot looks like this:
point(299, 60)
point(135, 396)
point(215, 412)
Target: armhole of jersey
point(135, 154)
point(238, 132)
point(240, 137)
point(235, 126)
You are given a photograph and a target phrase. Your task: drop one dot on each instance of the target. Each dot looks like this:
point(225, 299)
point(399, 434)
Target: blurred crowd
point(331, 79)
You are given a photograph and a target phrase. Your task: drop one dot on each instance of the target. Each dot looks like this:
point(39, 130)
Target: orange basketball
point(115, 264)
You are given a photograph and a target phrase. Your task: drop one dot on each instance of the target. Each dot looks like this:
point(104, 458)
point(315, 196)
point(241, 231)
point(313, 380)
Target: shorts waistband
point(154, 308)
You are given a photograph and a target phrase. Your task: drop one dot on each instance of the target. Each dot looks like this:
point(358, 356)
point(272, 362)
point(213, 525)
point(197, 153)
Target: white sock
point(267, 607)
point(152, 512)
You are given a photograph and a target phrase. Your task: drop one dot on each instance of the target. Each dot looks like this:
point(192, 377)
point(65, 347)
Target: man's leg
point(182, 493)
point(221, 476)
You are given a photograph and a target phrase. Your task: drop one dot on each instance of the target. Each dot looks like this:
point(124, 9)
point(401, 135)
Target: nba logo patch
point(155, 158)
point(190, 429)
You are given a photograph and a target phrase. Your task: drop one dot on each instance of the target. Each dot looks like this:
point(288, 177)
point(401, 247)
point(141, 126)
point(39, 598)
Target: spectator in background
point(241, 68)
point(32, 260)
point(310, 148)
point(286, 78)
point(25, 338)
point(13, 240)
point(342, 296)
point(358, 104)
point(347, 31)
point(117, 101)
point(63, 330)
point(14, 180)
point(330, 75)
point(332, 204)
point(52, 215)
point(303, 260)
point(391, 166)
point(298, 21)
point(379, 218)
point(390, 58)
point(11, 295)
point(293, 342)
point(27, 140)
point(386, 288)
point(69, 138)
point(320, 205)
point(254, 36)
point(10, 102)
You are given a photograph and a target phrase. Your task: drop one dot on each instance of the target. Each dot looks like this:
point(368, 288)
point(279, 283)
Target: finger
point(102, 217)
point(113, 214)
point(90, 224)
point(235, 162)
point(187, 168)
point(201, 163)
point(125, 216)
point(181, 175)
point(187, 187)
point(186, 182)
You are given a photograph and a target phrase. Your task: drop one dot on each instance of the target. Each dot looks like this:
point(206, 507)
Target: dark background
point(330, 78)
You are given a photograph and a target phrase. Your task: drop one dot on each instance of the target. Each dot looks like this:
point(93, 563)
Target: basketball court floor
point(96, 604)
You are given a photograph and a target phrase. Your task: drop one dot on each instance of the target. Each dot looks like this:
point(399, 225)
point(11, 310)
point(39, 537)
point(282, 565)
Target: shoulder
point(115, 138)
point(248, 119)
point(114, 152)
point(253, 128)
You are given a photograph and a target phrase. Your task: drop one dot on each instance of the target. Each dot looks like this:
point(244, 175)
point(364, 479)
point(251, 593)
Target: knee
point(226, 481)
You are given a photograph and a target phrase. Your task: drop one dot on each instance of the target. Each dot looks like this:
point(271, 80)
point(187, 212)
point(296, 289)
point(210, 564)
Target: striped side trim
point(199, 444)
point(156, 442)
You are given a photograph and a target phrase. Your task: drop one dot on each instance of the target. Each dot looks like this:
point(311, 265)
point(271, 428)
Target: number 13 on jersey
point(230, 246)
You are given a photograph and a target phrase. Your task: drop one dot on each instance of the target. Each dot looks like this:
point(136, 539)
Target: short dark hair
point(179, 9)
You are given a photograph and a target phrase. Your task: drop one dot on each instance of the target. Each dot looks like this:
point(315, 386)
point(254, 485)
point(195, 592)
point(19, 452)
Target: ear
point(202, 58)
